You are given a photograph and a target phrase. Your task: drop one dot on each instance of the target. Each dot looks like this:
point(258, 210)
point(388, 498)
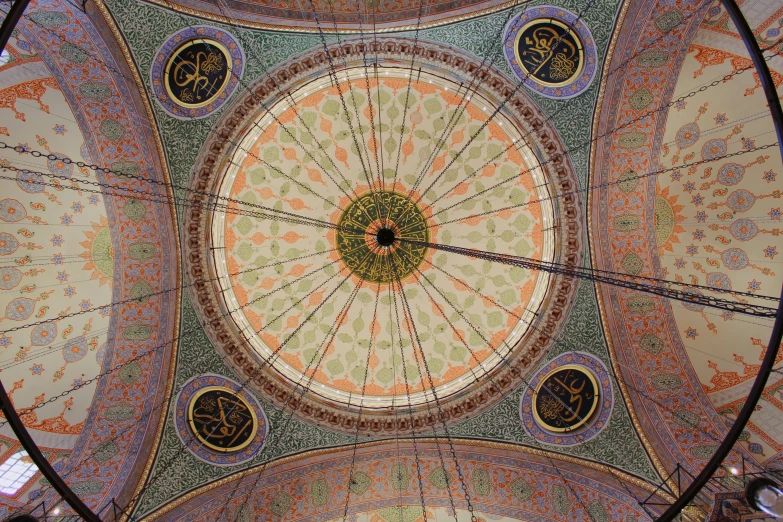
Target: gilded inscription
point(197, 73)
point(549, 52)
point(566, 398)
point(381, 235)
point(222, 420)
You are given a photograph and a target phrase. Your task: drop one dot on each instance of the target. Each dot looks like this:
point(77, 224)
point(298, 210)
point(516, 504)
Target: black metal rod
point(43, 465)
point(777, 330)
point(9, 24)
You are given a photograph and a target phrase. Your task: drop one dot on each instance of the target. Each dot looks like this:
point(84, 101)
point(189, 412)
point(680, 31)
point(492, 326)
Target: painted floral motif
point(464, 311)
point(725, 223)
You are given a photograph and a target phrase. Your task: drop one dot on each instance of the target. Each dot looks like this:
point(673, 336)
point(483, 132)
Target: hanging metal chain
point(410, 406)
point(596, 276)
point(611, 132)
point(412, 328)
point(370, 347)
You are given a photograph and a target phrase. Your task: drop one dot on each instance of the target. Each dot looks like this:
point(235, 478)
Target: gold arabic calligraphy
point(222, 420)
point(566, 399)
point(198, 73)
point(549, 53)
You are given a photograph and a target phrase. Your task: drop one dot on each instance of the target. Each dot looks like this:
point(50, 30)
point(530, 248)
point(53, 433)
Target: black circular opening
point(385, 237)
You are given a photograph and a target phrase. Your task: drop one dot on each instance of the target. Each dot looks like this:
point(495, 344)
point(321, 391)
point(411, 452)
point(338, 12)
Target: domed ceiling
point(336, 268)
point(332, 260)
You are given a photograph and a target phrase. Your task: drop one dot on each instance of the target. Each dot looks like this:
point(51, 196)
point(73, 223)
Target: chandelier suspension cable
point(563, 106)
point(348, 116)
point(768, 360)
point(183, 333)
point(393, 292)
point(496, 111)
point(494, 302)
point(566, 103)
point(394, 394)
point(370, 345)
point(506, 362)
point(661, 108)
point(375, 141)
point(328, 339)
point(142, 179)
point(416, 342)
point(409, 324)
point(25, 411)
point(577, 191)
point(405, 106)
point(164, 467)
point(336, 32)
point(253, 50)
point(597, 276)
point(332, 72)
point(589, 188)
point(625, 276)
point(411, 327)
point(290, 134)
point(470, 89)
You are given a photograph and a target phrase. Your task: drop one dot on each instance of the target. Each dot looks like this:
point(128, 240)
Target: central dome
point(335, 257)
point(362, 304)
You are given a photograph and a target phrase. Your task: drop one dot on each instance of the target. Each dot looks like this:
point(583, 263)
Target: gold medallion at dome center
point(379, 237)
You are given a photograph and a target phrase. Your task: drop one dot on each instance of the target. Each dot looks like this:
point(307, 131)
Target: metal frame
point(9, 24)
point(777, 330)
point(46, 469)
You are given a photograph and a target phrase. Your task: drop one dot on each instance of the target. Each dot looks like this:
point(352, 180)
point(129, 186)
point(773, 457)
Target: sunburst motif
point(99, 252)
point(667, 220)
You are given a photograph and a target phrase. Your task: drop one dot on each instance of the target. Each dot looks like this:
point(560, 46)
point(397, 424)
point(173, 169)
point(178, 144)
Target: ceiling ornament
point(219, 421)
point(196, 71)
point(505, 480)
point(368, 235)
point(552, 59)
point(236, 162)
point(376, 15)
point(569, 400)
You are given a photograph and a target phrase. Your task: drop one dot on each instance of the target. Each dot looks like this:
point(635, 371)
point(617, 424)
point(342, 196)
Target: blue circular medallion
point(568, 401)
point(551, 50)
point(196, 71)
point(220, 422)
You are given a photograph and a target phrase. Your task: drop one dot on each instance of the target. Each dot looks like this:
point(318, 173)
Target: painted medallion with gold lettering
point(221, 419)
point(568, 401)
point(196, 70)
point(551, 50)
point(566, 398)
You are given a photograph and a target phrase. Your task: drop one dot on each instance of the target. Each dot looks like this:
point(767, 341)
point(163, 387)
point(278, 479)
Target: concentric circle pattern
point(359, 292)
point(381, 237)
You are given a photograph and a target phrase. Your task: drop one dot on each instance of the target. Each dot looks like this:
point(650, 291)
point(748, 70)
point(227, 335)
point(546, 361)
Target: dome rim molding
point(221, 330)
point(405, 24)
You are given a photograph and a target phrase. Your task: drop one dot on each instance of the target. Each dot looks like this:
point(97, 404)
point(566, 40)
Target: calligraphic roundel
point(566, 398)
point(551, 50)
point(219, 421)
point(568, 401)
point(196, 71)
